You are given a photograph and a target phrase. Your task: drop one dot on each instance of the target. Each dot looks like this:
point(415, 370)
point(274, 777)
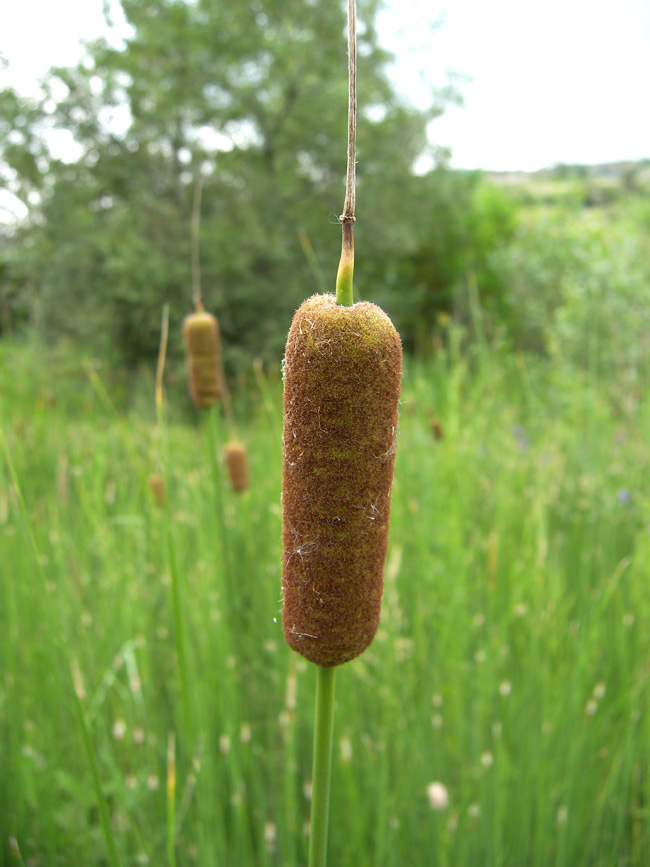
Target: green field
point(150, 710)
point(151, 713)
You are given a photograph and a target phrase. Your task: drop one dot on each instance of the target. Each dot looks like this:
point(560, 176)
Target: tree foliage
point(251, 96)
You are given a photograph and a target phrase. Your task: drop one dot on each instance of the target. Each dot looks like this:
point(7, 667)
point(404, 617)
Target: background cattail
point(236, 457)
point(157, 486)
point(203, 347)
point(436, 429)
point(341, 391)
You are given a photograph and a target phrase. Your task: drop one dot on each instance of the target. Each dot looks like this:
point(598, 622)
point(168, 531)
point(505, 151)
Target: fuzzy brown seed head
point(436, 429)
point(236, 458)
point(203, 348)
point(342, 382)
point(157, 486)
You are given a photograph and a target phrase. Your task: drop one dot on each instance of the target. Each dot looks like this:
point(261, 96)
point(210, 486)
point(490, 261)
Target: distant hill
point(614, 171)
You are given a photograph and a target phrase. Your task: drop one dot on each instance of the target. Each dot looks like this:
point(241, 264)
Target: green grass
point(511, 664)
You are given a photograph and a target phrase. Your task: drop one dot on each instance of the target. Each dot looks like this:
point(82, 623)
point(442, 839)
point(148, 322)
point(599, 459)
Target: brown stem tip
point(341, 392)
point(203, 348)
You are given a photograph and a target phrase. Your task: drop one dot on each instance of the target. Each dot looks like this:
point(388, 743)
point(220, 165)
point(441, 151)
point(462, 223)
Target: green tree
point(253, 96)
point(462, 221)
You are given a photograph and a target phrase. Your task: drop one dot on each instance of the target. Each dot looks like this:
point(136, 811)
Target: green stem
point(345, 275)
point(171, 800)
point(178, 607)
point(179, 629)
point(322, 768)
point(215, 446)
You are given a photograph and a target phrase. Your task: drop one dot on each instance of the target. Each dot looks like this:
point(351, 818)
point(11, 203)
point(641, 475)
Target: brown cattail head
point(436, 429)
point(236, 458)
point(203, 347)
point(157, 486)
point(342, 382)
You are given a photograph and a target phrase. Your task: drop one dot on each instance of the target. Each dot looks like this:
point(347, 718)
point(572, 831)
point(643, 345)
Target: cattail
point(203, 347)
point(157, 486)
point(341, 391)
point(236, 458)
point(436, 429)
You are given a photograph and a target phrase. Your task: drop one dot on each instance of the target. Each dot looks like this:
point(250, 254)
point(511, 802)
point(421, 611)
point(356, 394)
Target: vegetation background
point(149, 710)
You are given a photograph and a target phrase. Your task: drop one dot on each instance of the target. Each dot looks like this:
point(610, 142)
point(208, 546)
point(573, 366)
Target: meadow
point(151, 713)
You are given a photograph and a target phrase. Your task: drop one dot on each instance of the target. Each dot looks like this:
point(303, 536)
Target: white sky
point(553, 81)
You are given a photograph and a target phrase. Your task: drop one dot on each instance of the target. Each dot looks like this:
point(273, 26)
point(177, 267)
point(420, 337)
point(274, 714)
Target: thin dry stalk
point(195, 231)
point(344, 278)
point(162, 355)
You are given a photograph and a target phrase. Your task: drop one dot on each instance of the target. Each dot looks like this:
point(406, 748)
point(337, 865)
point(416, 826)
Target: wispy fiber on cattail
point(157, 487)
point(342, 383)
point(236, 457)
point(203, 348)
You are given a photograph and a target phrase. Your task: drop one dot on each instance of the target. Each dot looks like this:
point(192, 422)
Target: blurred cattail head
point(436, 429)
point(341, 392)
point(236, 458)
point(203, 348)
point(157, 486)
